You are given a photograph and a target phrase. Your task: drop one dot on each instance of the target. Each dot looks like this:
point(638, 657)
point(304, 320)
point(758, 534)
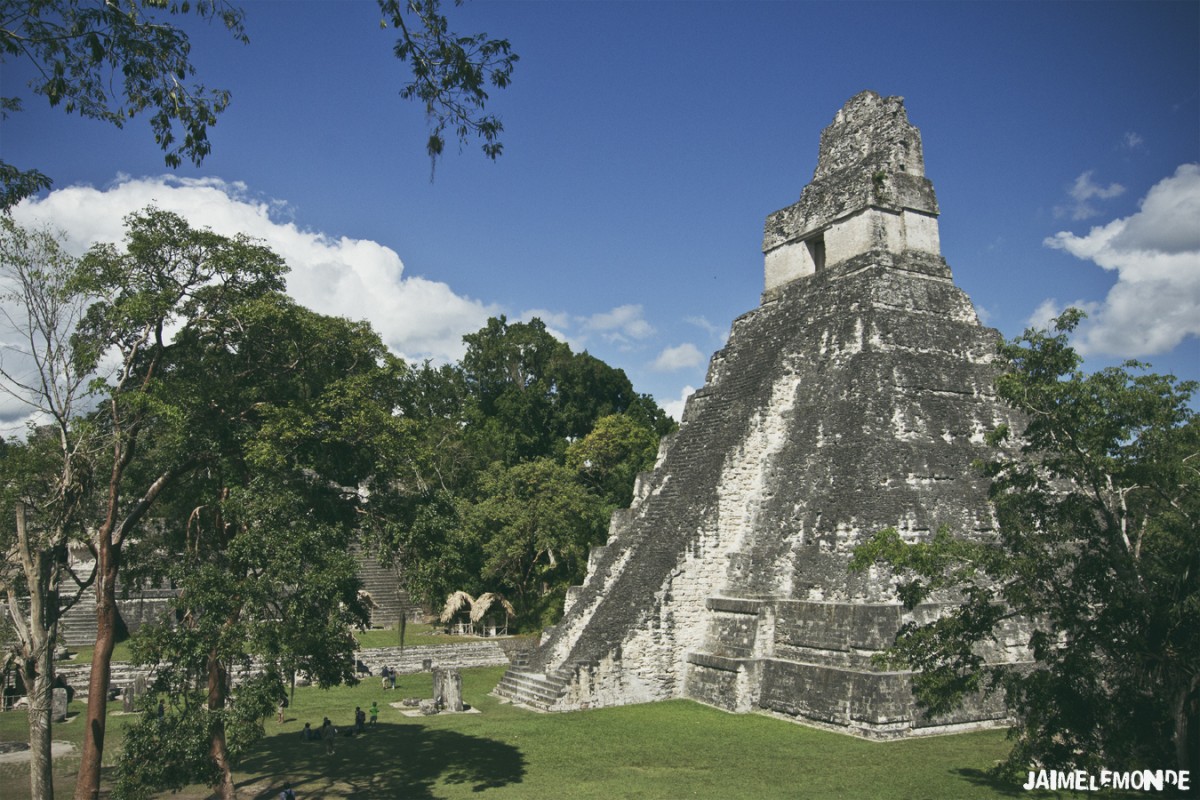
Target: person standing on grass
point(374, 712)
point(360, 720)
point(328, 734)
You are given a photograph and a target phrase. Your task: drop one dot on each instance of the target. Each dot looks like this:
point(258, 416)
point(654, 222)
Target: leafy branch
point(450, 73)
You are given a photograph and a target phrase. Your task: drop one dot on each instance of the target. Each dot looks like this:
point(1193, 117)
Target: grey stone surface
point(58, 705)
point(855, 398)
point(132, 694)
point(447, 689)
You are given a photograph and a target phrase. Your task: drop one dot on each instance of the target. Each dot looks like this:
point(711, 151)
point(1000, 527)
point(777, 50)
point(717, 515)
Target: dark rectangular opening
point(816, 251)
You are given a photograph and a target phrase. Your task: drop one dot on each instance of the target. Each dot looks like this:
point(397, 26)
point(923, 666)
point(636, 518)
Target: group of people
point(327, 733)
point(388, 676)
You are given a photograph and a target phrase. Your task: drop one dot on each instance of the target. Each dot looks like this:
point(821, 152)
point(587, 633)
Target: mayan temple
point(854, 398)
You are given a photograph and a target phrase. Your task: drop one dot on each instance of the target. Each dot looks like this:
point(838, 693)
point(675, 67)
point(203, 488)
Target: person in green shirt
point(374, 711)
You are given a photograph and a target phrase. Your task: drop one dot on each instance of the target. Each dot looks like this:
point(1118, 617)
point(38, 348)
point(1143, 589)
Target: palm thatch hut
point(457, 613)
point(486, 616)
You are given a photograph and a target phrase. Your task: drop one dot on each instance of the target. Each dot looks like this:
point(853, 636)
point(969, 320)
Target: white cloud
point(674, 408)
point(1085, 189)
point(683, 356)
point(620, 324)
point(1133, 141)
point(1155, 303)
point(717, 333)
point(1048, 310)
point(355, 278)
point(553, 319)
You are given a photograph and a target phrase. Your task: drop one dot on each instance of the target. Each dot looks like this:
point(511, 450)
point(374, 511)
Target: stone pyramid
point(854, 398)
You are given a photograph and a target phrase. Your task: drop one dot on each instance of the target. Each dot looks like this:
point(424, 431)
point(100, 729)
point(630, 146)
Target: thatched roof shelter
point(455, 603)
point(485, 602)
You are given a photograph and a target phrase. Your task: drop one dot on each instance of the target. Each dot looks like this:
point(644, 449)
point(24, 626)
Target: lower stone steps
point(533, 689)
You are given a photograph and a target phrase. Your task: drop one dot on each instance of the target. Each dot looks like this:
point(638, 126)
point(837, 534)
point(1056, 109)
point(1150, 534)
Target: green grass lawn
point(83, 655)
point(667, 750)
point(14, 727)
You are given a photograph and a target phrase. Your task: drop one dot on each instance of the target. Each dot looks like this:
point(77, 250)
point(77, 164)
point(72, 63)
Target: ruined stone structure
point(854, 398)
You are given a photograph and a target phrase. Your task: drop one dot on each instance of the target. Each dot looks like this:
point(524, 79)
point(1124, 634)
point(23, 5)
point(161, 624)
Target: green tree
point(1098, 551)
point(437, 554)
point(535, 523)
point(167, 274)
point(483, 437)
point(531, 395)
point(609, 458)
point(258, 541)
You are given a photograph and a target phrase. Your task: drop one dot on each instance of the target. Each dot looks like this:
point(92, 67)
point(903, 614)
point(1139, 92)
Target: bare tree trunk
point(218, 749)
point(37, 633)
point(87, 784)
point(39, 683)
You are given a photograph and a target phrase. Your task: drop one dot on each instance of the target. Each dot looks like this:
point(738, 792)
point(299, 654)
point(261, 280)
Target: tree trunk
point(39, 683)
point(38, 633)
point(87, 785)
point(1187, 726)
point(218, 749)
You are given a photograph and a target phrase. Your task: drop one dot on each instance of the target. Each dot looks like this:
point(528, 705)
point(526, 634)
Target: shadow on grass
point(985, 779)
point(388, 761)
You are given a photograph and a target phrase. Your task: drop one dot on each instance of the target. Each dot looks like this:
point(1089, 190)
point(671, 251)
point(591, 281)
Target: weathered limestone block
point(447, 689)
point(58, 707)
point(133, 694)
point(869, 192)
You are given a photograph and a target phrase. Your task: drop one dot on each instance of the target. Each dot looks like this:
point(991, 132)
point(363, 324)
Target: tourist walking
point(374, 712)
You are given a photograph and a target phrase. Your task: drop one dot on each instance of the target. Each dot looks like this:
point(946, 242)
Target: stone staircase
point(77, 628)
point(383, 585)
point(535, 690)
point(523, 685)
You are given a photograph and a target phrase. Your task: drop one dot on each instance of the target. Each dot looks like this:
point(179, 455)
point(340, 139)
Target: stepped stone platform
point(854, 398)
point(462, 655)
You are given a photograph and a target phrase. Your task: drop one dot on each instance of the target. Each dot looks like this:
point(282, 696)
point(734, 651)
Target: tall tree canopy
point(516, 459)
point(211, 435)
point(166, 274)
point(1098, 549)
point(286, 405)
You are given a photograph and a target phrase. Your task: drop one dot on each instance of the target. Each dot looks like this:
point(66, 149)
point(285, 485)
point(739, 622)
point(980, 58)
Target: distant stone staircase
point(383, 585)
point(77, 628)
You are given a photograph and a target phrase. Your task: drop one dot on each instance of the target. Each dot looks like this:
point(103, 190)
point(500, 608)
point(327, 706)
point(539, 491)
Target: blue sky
point(645, 143)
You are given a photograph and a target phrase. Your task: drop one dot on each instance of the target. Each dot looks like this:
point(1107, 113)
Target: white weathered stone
point(854, 398)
